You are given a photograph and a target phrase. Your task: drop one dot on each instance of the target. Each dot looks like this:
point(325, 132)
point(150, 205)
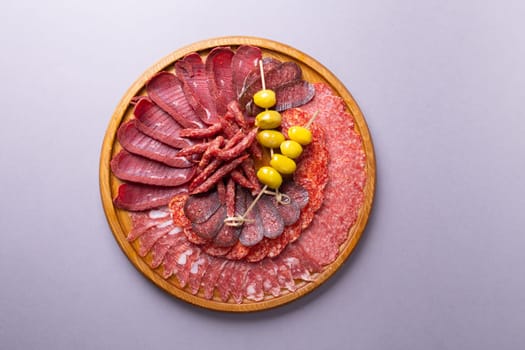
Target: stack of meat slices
point(188, 161)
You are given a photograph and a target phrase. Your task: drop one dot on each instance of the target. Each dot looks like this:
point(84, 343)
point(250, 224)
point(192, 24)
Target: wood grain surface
point(119, 220)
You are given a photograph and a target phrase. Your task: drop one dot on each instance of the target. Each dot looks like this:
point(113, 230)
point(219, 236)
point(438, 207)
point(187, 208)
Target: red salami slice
point(238, 252)
point(193, 237)
point(253, 283)
point(127, 166)
point(238, 281)
point(199, 208)
point(154, 122)
point(162, 246)
point(148, 239)
point(259, 251)
point(213, 250)
point(141, 221)
point(224, 281)
point(197, 270)
point(270, 279)
point(213, 272)
point(165, 89)
point(170, 263)
point(246, 59)
point(138, 197)
point(185, 262)
point(141, 144)
point(284, 277)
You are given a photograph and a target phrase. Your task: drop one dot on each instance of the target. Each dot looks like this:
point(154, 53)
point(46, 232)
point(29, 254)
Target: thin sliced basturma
point(246, 59)
point(165, 89)
point(192, 71)
point(134, 141)
point(138, 197)
point(199, 208)
point(130, 167)
point(156, 123)
point(293, 94)
point(209, 228)
point(219, 70)
point(283, 74)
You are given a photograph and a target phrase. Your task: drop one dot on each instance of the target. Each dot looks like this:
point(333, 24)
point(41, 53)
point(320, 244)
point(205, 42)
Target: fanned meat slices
point(142, 221)
point(165, 89)
point(271, 221)
point(192, 71)
point(134, 141)
point(130, 167)
point(162, 246)
point(197, 270)
point(219, 70)
point(199, 208)
point(156, 123)
point(246, 59)
point(150, 237)
point(290, 95)
point(209, 228)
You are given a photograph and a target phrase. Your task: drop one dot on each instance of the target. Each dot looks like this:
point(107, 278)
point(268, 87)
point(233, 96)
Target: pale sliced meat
point(246, 59)
point(148, 239)
point(162, 246)
point(142, 221)
point(213, 272)
point(253, 283)
point(197, 270)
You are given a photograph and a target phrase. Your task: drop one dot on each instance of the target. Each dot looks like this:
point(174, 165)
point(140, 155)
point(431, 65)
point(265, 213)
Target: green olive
point(300, 135)
point(291, 149)
point(283, 164)
point(264, 98)
point(268, 119)
point(270, 138)
point(270, 177)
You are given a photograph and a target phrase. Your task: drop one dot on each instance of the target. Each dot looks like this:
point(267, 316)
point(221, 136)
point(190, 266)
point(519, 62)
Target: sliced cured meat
point(296, 192)
point(289, 212)
point(284, 277)
point(271, 221)
point(130, 167)
point(224, 282)
point(137, 197)
point(299, 263)
point(197, 270)
point(212, 274)
point(252, 230)
point(270, 280)
point(199, 208)
point(156, 123)
point(245, 60)
point(165, 89)
point(174, 254)
point(193, 237)
point(269, 63)
point(209, 228)
point(283, 74)
point(259, 251)
point(184, 263)
point(290, 95)
point(217, 175)
point(162, 246)
point(229, 235)
point(150, 237)
point(176, 207)
point(141, 221)
point(192, 71)
point(141, 144)
point(253, 283)
point(290, 234)
point(238, 252)
point(213, 250)
point(238, 281)
point(219, 69)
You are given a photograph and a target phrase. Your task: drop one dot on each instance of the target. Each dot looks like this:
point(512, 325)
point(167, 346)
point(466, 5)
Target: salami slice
point(224, 281)
point(209, 228)
point(162, 246)
point(270, 280)
point(197, 270)
point(148, 239)
point(253, 283)
point(142, 221)
point(238, 281)
point(201, 207)
point(213, 272)
point(252, 230)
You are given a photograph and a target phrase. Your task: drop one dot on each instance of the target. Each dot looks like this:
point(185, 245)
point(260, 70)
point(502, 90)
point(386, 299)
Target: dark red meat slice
point(270, 280)
point(162, 246)
point(219, 69)
point(253, 283)
point(192, 71)
point(142, 221)
point(296, 192)
point(136, 197)
point(150, 237)
point(293, 94)
point(213, 272)
point(130, 167)
point(269, 63)
point(156, 123)
point(289, 212)
point(246, 58)
point(141, 144)
point(224, 282)
point(252, 230)
point(238, 280)
point(165, 89)
point(271, 220)
point(283, 74)
point(209, 228)
point(197, 270)
point(193, 237)
point(199, 208)
point(228, 235)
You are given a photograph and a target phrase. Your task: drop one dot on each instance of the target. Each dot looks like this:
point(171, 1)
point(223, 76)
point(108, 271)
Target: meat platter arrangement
point(237, 174)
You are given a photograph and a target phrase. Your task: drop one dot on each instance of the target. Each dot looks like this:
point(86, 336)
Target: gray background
point(440, 266)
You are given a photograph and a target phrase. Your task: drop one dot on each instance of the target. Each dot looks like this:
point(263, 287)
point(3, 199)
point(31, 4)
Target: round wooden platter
point(119, 220)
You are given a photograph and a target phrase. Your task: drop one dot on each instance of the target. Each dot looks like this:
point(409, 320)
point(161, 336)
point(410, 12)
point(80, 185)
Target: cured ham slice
point(238, 278)
point(219, 70)
point(192, 71)
point(162, 246)
point(223, 283)
point(142, 221)
point(211, 276)
point(127, 166)
point(156, 123)
point(271, 221)
point(138, 197)
point(141, 144)
point(165, 89)
point(148, 239)
point(245, 60)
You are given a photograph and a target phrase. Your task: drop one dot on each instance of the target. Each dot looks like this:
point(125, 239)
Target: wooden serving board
point(119, 220)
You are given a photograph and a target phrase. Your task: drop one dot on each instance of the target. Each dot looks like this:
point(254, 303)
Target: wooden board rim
point(105, 176)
